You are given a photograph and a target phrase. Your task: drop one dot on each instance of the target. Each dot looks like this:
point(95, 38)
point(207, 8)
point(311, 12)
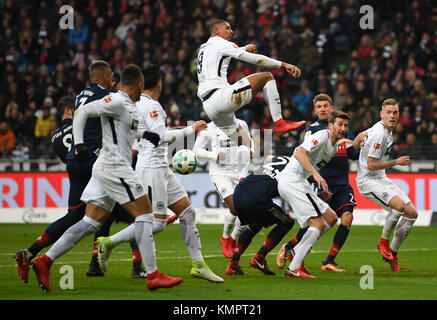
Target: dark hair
point(98, 65)
point(131, 75)
point(152, 75)
point(65, 103)
point(337, 114)
point(214, 23)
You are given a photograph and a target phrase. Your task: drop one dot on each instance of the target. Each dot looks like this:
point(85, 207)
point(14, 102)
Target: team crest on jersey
point(139, 188)
point(107, 99)
point(153, 114)
point(160, 205)
point(377, 145)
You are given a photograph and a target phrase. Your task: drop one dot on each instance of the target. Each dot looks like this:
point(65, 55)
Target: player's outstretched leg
point(191, 238)
point(48, 237)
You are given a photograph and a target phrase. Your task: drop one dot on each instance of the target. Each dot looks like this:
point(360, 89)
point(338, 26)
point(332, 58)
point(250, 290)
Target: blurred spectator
point(304, 99)
point(80, 32)
point(42, 126)
point(20, 152)
point(127, 24)
point(7, 140)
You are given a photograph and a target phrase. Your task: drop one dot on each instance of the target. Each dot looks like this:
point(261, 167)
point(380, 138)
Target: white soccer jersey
point(219, 142)
point(151, 117)
point(377, 145)
point(212, 63)
point(320, 150)
point(119, 120)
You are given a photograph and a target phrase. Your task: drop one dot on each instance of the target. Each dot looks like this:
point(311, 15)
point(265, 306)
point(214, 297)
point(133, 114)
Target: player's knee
point(330, 217)
point(187, 215)
point(347, 218)
point(158, 225)
point(268, 75)
point(410, 211)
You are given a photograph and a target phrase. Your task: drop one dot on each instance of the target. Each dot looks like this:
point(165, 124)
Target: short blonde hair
point(322, 97)
point(389, 102)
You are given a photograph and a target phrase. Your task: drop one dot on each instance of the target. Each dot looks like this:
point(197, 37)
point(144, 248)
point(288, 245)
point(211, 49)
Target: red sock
point(43, 240)
point(94, 249)
point(334, 250)
point(136, 255)
point(295, 240)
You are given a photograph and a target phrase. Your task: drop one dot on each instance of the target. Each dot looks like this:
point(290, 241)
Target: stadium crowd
point(41, 62)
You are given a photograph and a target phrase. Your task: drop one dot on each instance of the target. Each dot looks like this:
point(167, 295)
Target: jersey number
point(199, 62)
point(270, 166)
point(66, 141)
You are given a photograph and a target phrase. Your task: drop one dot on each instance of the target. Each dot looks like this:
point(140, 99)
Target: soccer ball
point(184, 161)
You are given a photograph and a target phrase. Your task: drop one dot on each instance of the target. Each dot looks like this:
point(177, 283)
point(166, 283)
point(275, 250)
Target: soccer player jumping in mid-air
point(220, 99)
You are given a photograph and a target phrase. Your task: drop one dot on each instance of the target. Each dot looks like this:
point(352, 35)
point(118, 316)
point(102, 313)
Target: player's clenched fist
point(200, 125)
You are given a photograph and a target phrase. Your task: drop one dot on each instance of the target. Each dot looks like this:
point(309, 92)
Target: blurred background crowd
point(358, 68)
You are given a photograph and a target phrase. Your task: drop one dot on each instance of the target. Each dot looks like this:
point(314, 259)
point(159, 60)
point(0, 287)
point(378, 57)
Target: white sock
point(303, 247)
point(146, 243)
point(190, 234)
point(73, 235)
point(391, 221)
point(271, 95)
point(238, 229)
point(402, 229)
point(243, 160)
point(125, 235)
point(229, 222)
point(159, 225)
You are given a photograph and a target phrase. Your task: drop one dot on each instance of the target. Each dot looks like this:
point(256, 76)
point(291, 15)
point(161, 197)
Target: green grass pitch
point(418, 256)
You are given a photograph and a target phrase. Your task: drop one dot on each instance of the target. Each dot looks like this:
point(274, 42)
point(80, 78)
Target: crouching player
point(254, 206)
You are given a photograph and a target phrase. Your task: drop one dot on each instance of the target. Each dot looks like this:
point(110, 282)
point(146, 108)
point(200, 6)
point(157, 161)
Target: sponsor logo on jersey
point(107, 99)
point(153, 114)
point(377, 145)
point(315, 142)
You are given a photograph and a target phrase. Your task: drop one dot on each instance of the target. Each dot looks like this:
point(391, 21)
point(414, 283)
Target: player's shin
point(271, 95)
point(144, 238)
point(190, 234)
point(401, 232)
point(125, 235)
point(274, 237)
point(303, 248)
point(392, 219)
point(73, 235)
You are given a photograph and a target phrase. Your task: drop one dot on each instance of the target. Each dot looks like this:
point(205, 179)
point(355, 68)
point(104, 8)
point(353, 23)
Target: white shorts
point(381, 191)
point(162, 186)
point(106, 188)
point(302, 198)
point(224, 185)
point(220, 107)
